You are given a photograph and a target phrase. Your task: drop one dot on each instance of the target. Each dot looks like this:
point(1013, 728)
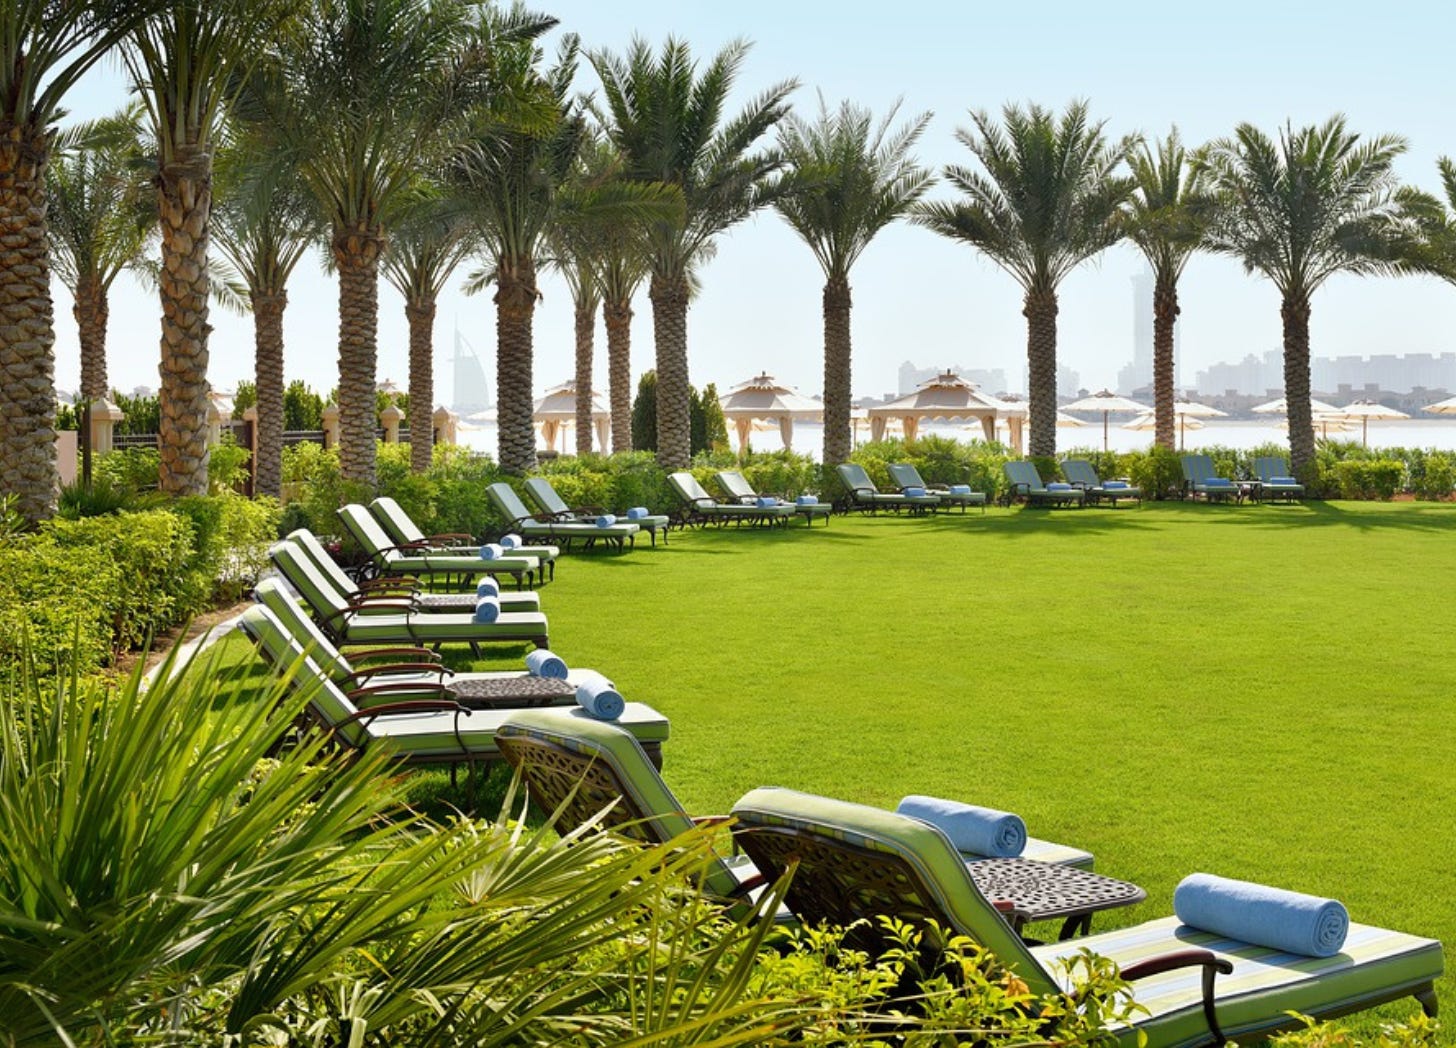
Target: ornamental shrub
point(1370, 479)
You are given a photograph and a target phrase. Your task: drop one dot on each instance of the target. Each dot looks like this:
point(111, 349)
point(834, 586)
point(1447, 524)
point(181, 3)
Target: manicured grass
point(1264, 692)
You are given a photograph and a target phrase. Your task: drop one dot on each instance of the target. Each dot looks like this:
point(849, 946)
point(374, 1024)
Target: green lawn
point(1263, 692)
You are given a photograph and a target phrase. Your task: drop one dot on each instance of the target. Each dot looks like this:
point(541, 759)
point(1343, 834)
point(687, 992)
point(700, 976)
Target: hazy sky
point(1142, 66)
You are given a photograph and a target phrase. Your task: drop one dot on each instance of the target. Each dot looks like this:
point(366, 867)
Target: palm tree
point(186, 62)
point(1048, 201)
point(1165, 218)
point(100, 220)
point(364, 97)
point(45, 48)
point(264, 221)
point(514, 174)
point(620, 269)
point(1315, 203)
point(429, 244)
point(668, 123)
point(849, 179)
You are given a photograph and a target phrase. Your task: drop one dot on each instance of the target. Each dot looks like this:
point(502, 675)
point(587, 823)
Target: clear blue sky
point(1142, 66)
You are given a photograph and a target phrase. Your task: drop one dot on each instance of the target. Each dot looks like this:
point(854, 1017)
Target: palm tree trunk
point(586, 314)
point(1295, 313)
point(184, 200)
point(27, 327)
point(421, 316)
point(515, 306)
point(670, 331)
point(1040, 310)
point(837, 364)
point(617, 315)
point(268, 374)
point(91, 312)
point(1165, 315)
point(356, 256)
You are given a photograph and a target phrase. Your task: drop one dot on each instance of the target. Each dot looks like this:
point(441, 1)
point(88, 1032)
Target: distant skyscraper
point(1139, 373)
point(470, 391)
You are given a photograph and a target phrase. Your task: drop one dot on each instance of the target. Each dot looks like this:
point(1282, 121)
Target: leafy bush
point(1370, 479)
point(1157, 471)
point(231, 539)
point(57, 602)
point(1434, 475)
point(227, 466)
point(940, 460)
point(135, 469)
point(102, 498)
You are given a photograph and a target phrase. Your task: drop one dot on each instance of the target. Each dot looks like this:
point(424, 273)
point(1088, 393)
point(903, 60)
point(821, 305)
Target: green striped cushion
point(620, 530)
point(391, 628)
point(727, 510)
point(1376, 965)
point(284, 654)
point(425, 735)
point(433, 563)
point(302, 629)
point(974, 498)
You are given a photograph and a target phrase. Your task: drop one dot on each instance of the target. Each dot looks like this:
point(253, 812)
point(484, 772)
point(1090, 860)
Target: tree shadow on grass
point(1361, 516)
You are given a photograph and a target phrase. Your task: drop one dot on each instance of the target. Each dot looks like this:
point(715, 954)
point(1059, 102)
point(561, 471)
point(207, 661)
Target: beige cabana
point(763, 398)
point(556, 412)
point(945, 398)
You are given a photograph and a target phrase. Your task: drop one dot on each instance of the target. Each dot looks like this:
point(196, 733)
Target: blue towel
point(606, 520)
point(1264, 916)
point(487, 587)
point(541, 663)
point(597, 696)
point(913, 493)
point(637, 513)
point(492, 551)
point(767, 502)
point(980, 831)
point(1114, 485)
point(1059, 486)
point(807, 500)
point(1282, 480)
point(487, 609)
point(511, 541)
point(960, 489)
point(1218, 482)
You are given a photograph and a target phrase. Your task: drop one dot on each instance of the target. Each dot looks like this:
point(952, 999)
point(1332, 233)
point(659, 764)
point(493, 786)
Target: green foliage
point(708, 423)
point(1434, 476)
point(1416, 1032)
point(143, 414)
point(940, 460)
point(102, 498)
point(231, 539)
point(244, 397)
point(303, 409)
point(1368, 479)
point(227, 465)
point(12, 522)
point(1157, 471)
point(135, 469)
point(67, 418)
point(1047, 467)
point(644, 413)
point(55, 602)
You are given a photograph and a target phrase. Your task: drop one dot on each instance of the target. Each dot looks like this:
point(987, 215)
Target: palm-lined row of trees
point(409, 135)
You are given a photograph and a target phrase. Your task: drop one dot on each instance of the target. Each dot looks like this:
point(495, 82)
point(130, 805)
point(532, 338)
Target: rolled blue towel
point(541, 663)
point(980, 831)
point(511, 541)
point(637, 513)
point(606, 520)
point(599, 698)
point(960, 489)
point(807, 500)
point(1272, 917)
point(1282, 480)
point(492, 551)
point(1059, 486)
point(487, 609)
point(487, 587)
point(1114, 485)
point(767, 502)
point(913, 493)
point(1218, 482)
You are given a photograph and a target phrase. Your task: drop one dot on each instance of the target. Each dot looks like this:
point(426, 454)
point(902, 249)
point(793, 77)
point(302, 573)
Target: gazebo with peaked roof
point(764, 398)
point(556, 410)
point(945, 398)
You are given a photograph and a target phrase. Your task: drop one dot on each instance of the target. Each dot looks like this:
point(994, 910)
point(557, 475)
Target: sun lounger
point(1275, 482)
point(737, 488)
point(1080, 474)
point(865, 495)
point(392, 586)
point(619, 534)
point(416, 731)
point(403, 531)
point(1199, 478)
point(698, 507)
point(1026, 483)
point(393, 620)
point(554, 508)
point(417, 560)
point(853, 862)
point(908, 478)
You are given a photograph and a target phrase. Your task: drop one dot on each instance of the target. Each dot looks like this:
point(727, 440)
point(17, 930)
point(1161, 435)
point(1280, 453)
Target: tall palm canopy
point(667, 119)
point(45, 48)
point(849, 178)
point(1048, 200)
point(363, 97)
point(1165, 218)
point(1316, 202)
point(101, 216)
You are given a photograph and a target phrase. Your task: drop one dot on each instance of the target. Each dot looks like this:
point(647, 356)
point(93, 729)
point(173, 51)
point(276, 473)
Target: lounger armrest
point(517, 522)
point(449, 537)
point(394, 582)
point(438, 693)
point(404, 547)
point(343, 614)
point(430, 656)
point(359, 677)
point(1212, 965)
point(369, 601)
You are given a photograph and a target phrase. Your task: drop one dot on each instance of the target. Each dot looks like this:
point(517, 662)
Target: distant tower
point(471, 394)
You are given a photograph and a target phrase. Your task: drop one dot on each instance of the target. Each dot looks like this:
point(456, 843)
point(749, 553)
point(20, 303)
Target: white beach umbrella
point(764, 399)
point(947, 397)
point(1108, 403)
point(1365, 410)
point(556, 410)
point(1150, 421)
point(1281, 407)
point(1442, 407)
